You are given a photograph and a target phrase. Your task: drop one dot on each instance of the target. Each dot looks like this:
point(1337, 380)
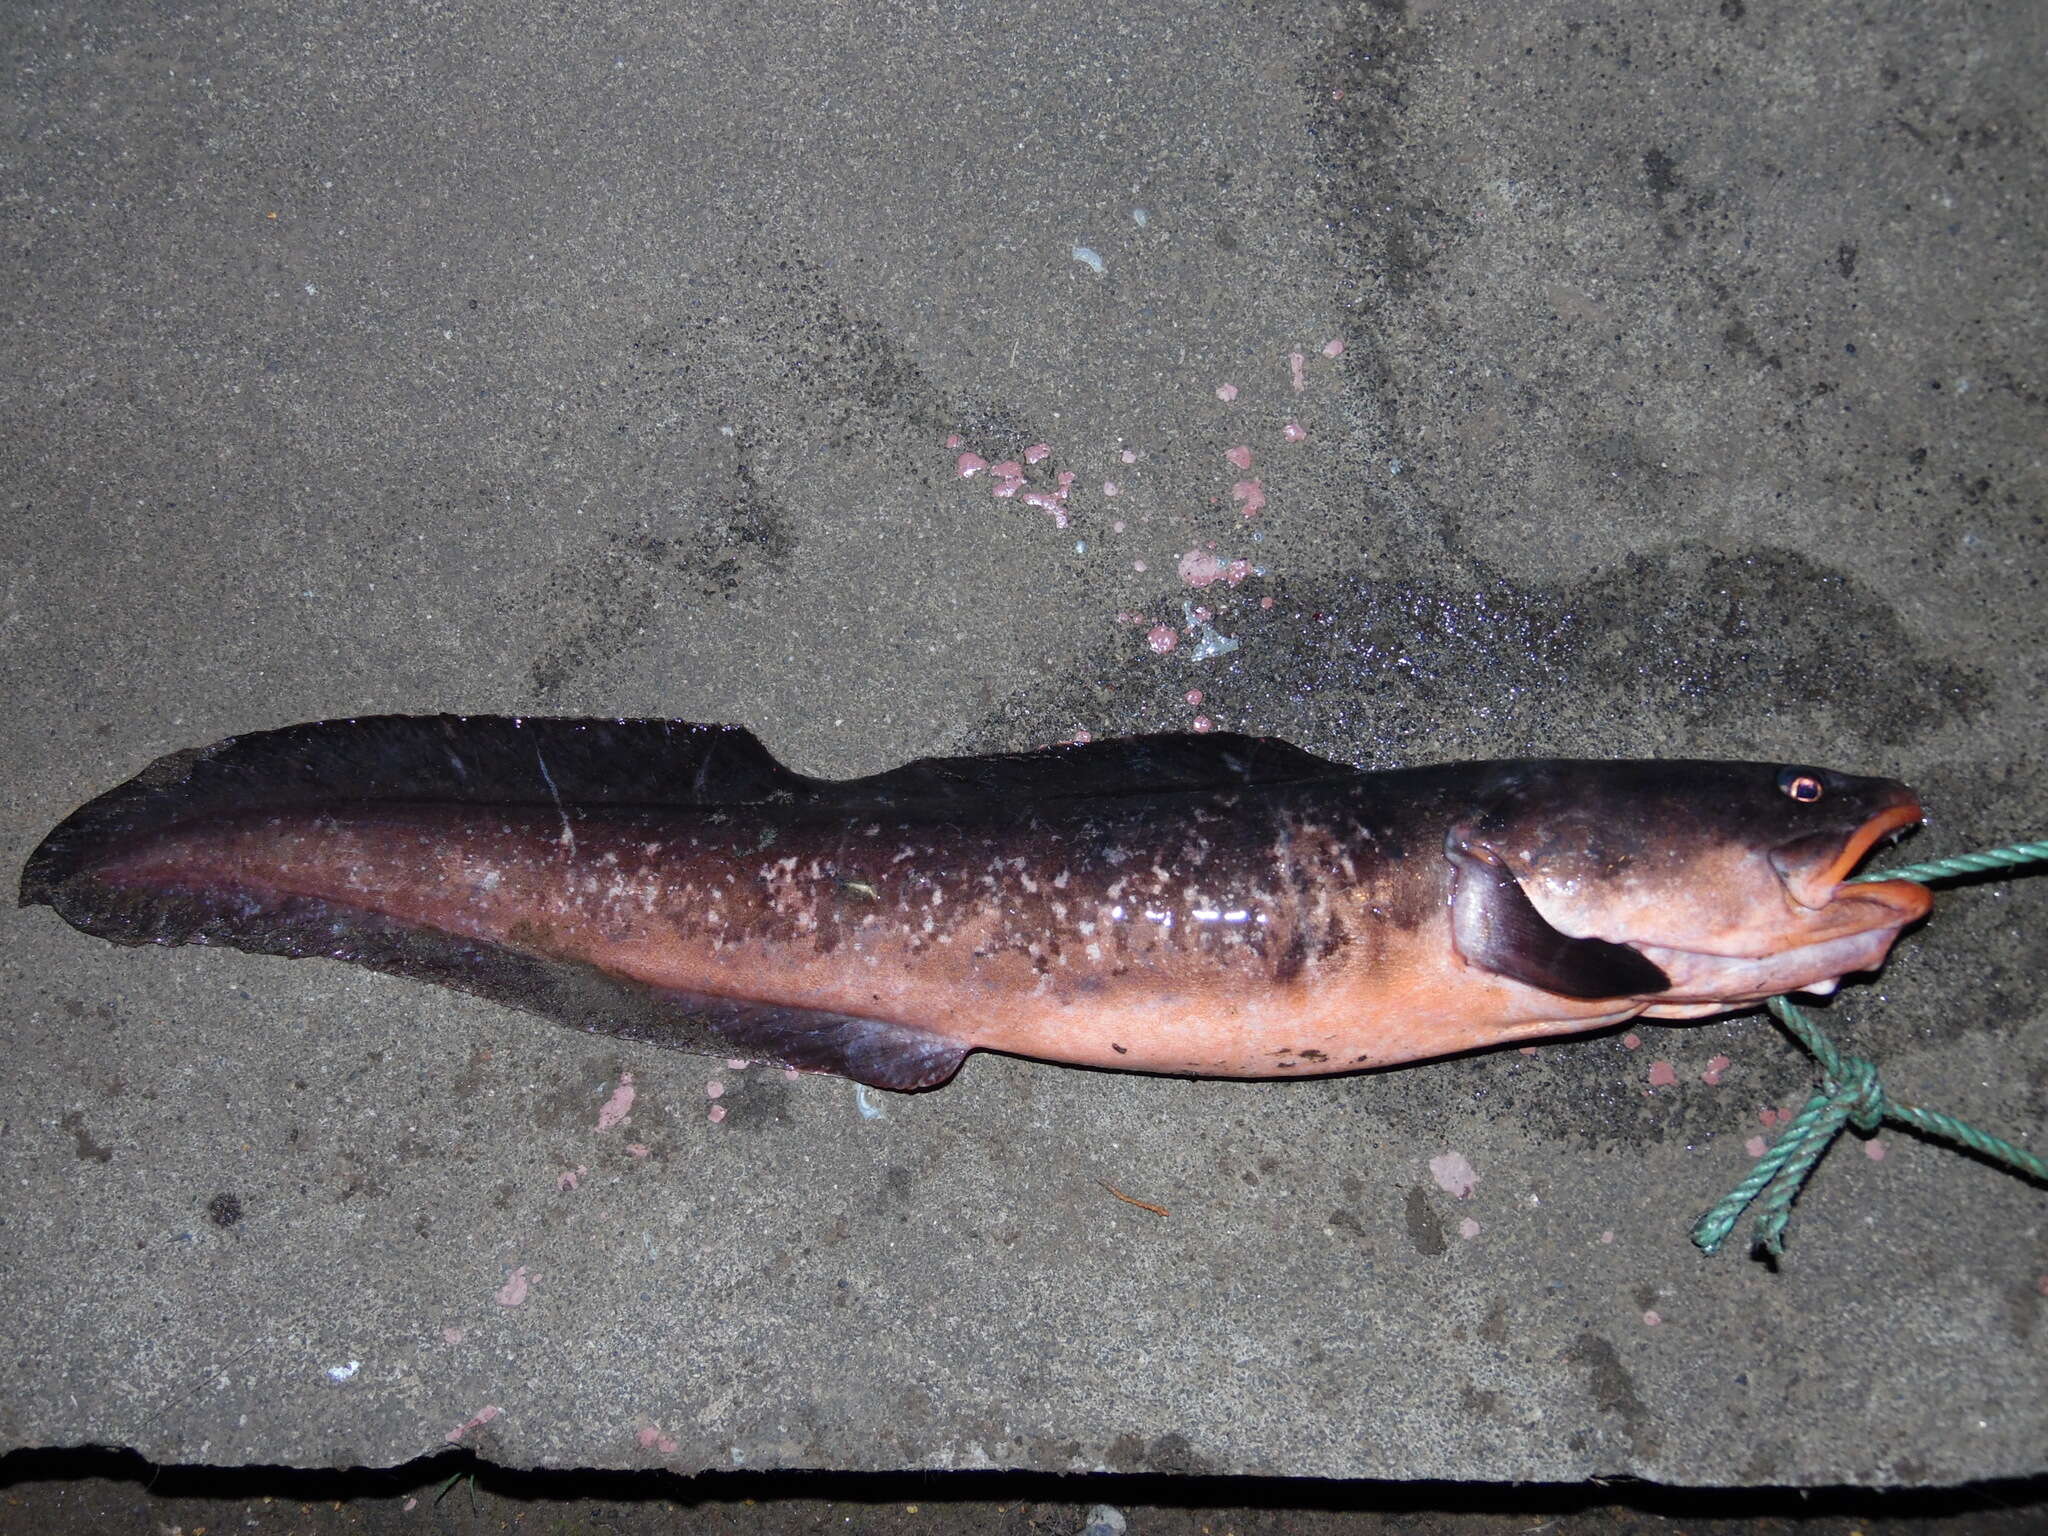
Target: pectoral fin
point(1497, 928)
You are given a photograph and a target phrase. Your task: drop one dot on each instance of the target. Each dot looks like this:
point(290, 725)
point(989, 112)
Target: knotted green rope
point(1851, 1094)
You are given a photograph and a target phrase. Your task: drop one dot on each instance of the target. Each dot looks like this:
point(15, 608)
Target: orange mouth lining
point(1867, 837)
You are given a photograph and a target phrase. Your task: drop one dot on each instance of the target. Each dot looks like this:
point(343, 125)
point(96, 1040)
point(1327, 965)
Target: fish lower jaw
point(1817, 969)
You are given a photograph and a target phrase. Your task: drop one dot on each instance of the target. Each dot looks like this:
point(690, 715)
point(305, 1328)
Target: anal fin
point(1497, 928)
point(871, 1051)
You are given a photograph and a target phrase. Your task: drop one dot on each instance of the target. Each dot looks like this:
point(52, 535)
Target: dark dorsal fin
point(1170, 763)
point(461, 759)
point(570, 764)
point(1497, 928)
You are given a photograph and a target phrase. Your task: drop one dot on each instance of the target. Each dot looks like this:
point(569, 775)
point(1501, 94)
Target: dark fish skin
point(1217, 905)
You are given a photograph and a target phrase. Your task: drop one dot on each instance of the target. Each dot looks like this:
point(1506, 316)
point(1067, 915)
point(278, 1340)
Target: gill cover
point(1497, 928)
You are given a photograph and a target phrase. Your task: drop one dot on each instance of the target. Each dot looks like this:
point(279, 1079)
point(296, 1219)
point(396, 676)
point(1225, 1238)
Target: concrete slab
point(603, 359)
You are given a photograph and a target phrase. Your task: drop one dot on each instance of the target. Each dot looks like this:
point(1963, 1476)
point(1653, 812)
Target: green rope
point(1962, 864)
point(1851, 1094)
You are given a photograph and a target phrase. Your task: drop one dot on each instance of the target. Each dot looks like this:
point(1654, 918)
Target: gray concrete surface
point(602, 359)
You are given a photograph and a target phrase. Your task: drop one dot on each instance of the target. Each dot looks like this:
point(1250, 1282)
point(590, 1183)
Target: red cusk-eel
point(1216, 905)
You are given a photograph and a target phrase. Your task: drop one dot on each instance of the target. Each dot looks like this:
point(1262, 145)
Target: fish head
point(1729, 877)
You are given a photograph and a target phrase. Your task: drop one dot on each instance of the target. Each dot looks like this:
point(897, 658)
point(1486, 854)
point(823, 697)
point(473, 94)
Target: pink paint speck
point(513, 1291)
point(1138, 565)
point(1334, 347)
point(639, 1149)
point(714, 1089)
point(1241, 455)
point(1265, 602)
point(1874, 1150)
point(1252, 494)
point(1294, 365)
point(715, 1114)
point(1607, 1236)
point(1129, 456)
point(1468, 1229)
point(1652, 1319)
point(954, 440)
point(1082, 736)
point(567, 1181)
point(476, 1420)
point(1716, 1069)
point(409, 1506)
point(454, 1335)
point(1049, 504)
point(1453, 1174)
point(968, 465)
point(1663, 1075)
point(1117, 526)
point(1756, 1146)
point(791, 1074)
point(619, 1105)
point(1109, 488)
point(1036, 452)
point(1009, 469)
point(1161, 639)
point(1194, 696)
point(2041, 1285)
point(1294, 432)
point(652, 1439)
point(1203, 725)
point(737, 1063)
point(1226, 393)
point(1199, 569)
point(1631, 1041)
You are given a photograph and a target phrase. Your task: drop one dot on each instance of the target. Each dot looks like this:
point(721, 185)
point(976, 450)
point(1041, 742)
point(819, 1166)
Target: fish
point(1213, 905)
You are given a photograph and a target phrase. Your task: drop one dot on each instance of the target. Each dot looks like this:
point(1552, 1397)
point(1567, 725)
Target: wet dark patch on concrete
point(603, 600)
point(1425, 1228)
point(787, 329)
point(1383, 228)
point(756, 1100)
point(1614, 1392)
point(1169, 1455)
point(86, 1149)
point(1683, 651)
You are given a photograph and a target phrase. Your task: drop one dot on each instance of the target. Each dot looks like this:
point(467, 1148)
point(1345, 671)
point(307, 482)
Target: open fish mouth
point(1816, 887)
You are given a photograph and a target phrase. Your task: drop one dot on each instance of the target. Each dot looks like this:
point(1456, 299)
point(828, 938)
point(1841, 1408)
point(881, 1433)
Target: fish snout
point(1813, 868)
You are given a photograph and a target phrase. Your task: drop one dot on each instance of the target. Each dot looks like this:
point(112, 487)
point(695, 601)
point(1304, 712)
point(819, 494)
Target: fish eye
point(1800, 785)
